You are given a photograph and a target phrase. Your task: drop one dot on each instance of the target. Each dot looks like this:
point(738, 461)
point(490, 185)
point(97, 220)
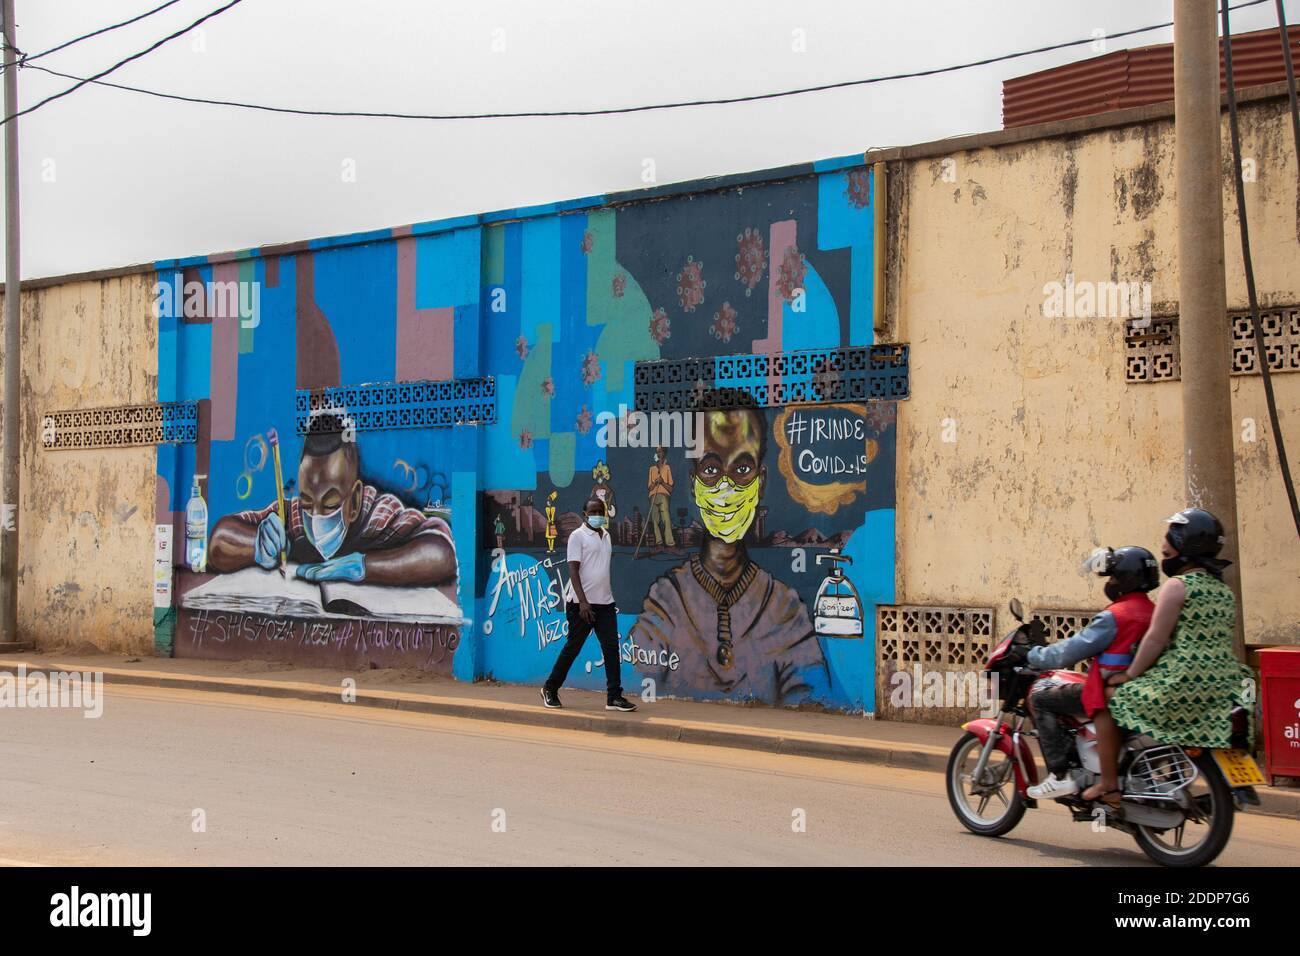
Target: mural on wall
point(752, 517)
point(332, 536)
point(395, 448)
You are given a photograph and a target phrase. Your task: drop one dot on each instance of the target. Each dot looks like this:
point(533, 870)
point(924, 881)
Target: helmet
point(1129, 568)
point(1197, 536)
point(1195, 533)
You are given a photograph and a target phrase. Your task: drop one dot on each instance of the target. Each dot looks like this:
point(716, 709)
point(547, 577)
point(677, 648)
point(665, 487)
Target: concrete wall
point(86, 516)
point(1054, 452)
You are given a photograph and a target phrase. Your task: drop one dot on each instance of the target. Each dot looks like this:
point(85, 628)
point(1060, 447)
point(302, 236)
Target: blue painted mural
point(394, 449)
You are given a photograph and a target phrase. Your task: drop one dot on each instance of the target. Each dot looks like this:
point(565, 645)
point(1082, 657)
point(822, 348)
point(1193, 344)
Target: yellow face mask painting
point(727, 509)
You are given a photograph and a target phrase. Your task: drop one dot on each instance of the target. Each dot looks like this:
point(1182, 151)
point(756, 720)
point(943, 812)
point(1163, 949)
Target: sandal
point(1113, 799)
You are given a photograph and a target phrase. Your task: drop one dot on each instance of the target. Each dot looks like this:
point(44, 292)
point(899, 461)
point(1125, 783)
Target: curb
point(1273, 802)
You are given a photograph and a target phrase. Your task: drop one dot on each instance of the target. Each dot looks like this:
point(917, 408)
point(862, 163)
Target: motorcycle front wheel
point(1195, 842)
point(993, 806)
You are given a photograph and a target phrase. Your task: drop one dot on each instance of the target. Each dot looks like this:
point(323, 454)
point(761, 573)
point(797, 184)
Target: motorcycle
point(1178, 802)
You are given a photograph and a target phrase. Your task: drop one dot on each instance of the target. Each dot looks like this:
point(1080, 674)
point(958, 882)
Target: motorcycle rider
point(1110, 637)
point(1185, 679)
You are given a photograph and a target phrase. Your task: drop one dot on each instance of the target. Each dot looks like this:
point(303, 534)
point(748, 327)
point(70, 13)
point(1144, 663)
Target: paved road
point(287, 782)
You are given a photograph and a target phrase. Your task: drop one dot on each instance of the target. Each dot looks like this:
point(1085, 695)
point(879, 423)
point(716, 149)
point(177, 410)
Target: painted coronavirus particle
point(690, 284)
point(660, 327)
point(583, 423)
point(590, 368)
point(858, 190)
point(789, 280)
point(724, 323)
point(751, 259)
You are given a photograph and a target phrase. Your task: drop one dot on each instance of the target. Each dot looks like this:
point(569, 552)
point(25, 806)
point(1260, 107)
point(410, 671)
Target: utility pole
point(1208, 463)
point(12, 362)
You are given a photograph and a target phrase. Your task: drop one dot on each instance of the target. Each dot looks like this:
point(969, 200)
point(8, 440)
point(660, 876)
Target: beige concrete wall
point(87, 517)
point(1055, 453)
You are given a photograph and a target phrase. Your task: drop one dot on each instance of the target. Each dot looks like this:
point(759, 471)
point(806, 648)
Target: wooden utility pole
point(1208, 460)
point(9, 493)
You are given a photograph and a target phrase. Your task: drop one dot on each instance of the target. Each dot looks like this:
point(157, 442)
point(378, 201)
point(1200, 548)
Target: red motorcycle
point(1178, 803)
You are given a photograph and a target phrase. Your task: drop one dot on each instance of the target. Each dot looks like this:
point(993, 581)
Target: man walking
point(589, 552)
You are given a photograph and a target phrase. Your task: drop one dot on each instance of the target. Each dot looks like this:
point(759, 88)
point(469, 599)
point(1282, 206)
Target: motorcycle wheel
point(1211, 792)
point(1000, 773)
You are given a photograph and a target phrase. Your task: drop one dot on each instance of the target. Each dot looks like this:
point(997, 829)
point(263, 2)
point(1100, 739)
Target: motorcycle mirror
point(1017, 611)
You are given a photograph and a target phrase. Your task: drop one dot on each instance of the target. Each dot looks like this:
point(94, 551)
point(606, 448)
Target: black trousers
point(606, 628)
point(1049, 706)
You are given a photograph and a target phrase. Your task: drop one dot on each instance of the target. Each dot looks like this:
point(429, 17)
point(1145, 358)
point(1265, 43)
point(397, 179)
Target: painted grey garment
point(1091, 641)
point(777, 657)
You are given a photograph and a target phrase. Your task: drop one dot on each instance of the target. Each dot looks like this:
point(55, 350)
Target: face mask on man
point(326, 532)
point(727, 509)
point(596, 521)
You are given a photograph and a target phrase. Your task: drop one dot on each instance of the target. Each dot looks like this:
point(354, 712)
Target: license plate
point(1239, 768)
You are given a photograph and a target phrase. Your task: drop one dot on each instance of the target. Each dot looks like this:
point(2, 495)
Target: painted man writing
point(735, 630)
point(339, 527)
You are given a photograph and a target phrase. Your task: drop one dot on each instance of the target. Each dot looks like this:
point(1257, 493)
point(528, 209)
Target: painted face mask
point(326, 532)
point(727, 509)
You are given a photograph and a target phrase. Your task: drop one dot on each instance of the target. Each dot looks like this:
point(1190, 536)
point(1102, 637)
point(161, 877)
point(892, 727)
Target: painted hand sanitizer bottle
point(838, 609)
point(196, 529)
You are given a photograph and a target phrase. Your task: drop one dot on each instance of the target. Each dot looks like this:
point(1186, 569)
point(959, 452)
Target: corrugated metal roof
point(1134, 77)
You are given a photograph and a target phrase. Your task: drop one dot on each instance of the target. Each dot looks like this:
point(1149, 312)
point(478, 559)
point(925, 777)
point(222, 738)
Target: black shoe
point(551, 699)
point(620, 703)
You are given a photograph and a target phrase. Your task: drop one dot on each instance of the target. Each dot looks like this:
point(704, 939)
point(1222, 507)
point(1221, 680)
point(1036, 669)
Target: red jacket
point(1132, 614)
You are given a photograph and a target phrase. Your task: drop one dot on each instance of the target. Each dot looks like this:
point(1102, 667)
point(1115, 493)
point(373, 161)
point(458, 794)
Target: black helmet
point(1195, 533)
point(1197, 536)
point(1129, 568)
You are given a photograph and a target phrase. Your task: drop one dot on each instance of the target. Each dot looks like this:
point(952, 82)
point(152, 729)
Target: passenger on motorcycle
point(1110, 637)
point(1184, 679)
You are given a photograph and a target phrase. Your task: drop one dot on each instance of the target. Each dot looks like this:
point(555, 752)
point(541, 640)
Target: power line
point(1262, 358)
point(24, 60)
point(720, 101)
point(118, 64)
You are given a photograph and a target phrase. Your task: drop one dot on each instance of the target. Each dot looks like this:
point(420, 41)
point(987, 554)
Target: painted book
point(258, 591)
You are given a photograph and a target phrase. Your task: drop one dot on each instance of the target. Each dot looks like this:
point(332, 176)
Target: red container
point(1279, 673)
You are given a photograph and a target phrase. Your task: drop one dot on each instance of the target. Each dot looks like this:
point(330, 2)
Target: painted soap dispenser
point(196, 529)
point(838, 609)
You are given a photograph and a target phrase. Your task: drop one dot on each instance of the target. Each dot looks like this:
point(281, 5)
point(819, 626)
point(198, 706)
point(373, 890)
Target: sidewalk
point(793, 732)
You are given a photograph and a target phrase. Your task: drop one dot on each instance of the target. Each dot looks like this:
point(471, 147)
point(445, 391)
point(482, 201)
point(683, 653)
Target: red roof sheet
point(1134, 78)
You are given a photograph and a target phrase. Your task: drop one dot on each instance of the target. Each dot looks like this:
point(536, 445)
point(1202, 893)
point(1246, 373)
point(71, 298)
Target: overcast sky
point(111, 177)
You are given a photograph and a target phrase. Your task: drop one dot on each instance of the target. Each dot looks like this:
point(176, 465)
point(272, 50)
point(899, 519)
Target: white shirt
point(592, 550)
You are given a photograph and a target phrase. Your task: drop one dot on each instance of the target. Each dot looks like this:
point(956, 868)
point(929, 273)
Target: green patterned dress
point(1186, 696)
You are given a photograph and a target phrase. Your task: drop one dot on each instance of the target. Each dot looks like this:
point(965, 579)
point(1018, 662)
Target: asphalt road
point(287, 782)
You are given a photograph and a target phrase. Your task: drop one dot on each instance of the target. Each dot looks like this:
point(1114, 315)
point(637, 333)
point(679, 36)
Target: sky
point(112, 178)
